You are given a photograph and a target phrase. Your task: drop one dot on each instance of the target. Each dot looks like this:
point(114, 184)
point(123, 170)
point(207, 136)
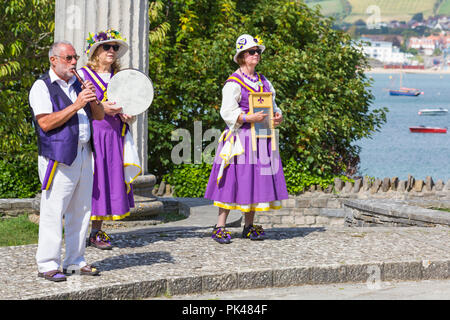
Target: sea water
point(394, 151)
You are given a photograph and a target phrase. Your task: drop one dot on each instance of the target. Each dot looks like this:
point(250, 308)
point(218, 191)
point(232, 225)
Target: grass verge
point(18, 231)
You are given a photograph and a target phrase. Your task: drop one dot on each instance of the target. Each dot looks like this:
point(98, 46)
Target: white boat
point(433, 112)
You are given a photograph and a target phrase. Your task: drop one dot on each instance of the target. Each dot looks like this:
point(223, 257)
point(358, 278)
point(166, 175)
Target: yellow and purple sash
point(236, 79)
point(49, 174)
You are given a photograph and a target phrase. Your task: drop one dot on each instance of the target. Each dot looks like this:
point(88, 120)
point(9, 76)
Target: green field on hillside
point(328, 7)
point(401, 10)
point(444, 8)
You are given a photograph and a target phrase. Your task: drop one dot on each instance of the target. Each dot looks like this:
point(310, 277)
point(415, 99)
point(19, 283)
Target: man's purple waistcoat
point(61, 144)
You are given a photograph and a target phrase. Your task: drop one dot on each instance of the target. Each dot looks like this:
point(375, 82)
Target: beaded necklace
point(256, 80)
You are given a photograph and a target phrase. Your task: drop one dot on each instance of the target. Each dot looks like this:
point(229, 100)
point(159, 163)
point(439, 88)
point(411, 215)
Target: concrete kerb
point(371, 273)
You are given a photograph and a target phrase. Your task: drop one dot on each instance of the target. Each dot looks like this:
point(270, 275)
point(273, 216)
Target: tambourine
point(132, 90)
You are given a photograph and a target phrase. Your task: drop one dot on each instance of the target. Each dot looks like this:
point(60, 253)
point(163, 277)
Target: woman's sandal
point(53, 275)
point(253, 232)
point(221, 235)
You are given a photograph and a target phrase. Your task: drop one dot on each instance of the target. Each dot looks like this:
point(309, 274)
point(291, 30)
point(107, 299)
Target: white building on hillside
point(385, 52)
point(427, 45)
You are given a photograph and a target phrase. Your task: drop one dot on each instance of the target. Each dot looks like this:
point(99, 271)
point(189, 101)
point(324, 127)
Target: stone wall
point(146, 205)
point(13, 207)
point(318, 208)
point(392, 213)
point(313, 208)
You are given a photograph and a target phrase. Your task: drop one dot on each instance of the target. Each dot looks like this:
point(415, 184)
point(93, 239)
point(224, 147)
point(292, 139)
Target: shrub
point(189, 180)
point(19, 179)
point(26, 33)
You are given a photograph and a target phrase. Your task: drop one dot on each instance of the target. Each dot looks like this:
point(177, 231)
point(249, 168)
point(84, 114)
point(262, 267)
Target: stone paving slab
point(155, 262)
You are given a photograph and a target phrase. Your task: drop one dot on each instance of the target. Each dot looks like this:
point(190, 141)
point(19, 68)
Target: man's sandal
point(87, 270)
point(53, 275)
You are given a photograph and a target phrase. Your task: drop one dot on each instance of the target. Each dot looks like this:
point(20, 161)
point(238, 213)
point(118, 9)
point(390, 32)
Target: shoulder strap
point(97, 81)
point(236, 79)
point(95, 77)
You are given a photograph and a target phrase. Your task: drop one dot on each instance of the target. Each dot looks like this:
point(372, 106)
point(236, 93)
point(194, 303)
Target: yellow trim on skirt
point(110, 217)
point(238, 207)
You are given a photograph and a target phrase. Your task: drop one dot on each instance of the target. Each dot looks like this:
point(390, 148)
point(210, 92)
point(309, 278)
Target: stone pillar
point(74, 19)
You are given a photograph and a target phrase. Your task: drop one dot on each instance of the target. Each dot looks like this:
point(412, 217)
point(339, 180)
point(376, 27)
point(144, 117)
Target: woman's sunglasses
point(106, 47)
point(253, 51)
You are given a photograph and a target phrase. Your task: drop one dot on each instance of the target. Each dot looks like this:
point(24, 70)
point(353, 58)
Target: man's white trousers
point(68, 197)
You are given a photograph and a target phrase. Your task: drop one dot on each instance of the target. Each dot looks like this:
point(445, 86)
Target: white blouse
point(231, 96)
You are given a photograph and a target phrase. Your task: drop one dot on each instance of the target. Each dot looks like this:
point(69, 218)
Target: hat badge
point(241, 43)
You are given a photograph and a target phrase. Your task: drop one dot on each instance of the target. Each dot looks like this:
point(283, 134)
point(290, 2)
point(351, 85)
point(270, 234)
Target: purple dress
point(111, 199)
point(253, 180)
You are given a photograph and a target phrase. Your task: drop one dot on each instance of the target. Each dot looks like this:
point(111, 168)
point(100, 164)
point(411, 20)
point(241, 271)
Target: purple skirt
point(251, 178)
point(110, 199)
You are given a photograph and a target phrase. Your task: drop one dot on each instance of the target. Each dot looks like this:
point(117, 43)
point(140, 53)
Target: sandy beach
point(424, 71)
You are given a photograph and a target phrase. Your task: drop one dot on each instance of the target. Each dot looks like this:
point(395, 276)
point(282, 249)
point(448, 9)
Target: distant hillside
point(402, 10)
point(444, 8)
point(333, 8)
point(328, 7)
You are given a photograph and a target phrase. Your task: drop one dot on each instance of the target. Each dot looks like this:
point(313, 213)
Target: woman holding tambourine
point(242, 179)
point(112, 195)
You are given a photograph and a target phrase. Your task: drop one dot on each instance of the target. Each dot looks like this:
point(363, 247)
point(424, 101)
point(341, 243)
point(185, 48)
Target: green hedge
point(190, 180)
point(19, 179)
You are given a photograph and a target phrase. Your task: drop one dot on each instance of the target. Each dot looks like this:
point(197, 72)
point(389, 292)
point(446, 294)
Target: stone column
point(74, 19)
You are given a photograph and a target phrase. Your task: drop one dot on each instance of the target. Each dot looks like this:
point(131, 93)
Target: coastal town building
point(428, 45)
point(385, 52)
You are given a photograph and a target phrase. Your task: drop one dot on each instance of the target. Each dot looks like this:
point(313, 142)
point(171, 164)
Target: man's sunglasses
point(69, 58)
point(253, 51)
point(115, 47)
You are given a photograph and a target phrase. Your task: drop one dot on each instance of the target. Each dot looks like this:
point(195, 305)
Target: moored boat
point(424, 129)
point(433, 112)
point(405, 92)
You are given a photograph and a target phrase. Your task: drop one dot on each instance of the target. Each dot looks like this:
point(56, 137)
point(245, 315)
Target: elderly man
point(62, 113)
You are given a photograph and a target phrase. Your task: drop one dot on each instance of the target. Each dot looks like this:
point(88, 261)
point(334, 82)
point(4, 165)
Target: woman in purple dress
point(112, 197)
point(242, 179)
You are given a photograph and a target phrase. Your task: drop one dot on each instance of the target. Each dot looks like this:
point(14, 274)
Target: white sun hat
point(246, 41)
point(102, 37)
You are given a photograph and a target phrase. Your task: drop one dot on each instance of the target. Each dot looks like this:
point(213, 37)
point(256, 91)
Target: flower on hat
point(258, 40)
point(241, 43)
point(109, 34)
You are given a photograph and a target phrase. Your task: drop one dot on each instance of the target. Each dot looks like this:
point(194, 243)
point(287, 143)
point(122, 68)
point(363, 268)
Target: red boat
point(428, 129)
